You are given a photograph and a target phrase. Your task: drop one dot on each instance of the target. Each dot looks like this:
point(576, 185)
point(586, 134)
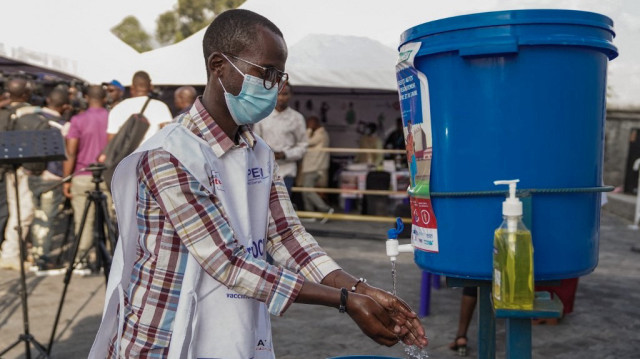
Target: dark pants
point(4, 208)
point(288, 182)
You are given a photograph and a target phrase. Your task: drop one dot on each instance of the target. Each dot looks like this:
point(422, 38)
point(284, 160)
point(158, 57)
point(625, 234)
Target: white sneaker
point(82, 269)
point(329, 213)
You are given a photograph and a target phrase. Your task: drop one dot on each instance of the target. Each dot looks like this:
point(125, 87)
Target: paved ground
point(605, 322)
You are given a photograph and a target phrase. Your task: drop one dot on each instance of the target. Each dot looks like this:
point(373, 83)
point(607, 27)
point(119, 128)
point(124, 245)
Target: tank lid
point(510, 17)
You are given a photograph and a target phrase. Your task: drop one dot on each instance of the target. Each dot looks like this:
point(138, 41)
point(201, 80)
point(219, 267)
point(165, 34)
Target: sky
point(385, 20)
point(382, 20)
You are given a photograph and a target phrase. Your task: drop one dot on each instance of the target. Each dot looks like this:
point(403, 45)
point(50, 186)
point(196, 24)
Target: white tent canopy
point(342, 61)
point(178, 64)
point(316, 57)
point(316, 60)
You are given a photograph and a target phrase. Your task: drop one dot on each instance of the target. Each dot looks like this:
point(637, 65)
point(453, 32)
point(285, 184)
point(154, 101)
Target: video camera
point(96, 171)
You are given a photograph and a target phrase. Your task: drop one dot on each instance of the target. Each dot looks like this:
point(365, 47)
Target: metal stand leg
point(486, 323)
point(26, 336)
point(425, 294)
point(68, 232)
point(518, 338)
point(103, 257)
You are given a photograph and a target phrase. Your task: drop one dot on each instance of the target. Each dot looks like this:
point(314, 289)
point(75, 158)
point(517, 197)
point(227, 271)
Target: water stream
point(393, 276)
point(412, 351)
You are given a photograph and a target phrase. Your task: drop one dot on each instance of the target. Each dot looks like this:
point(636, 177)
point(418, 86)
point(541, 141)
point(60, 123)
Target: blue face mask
point(253, 103)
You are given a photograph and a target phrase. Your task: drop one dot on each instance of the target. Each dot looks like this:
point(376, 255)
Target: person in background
point(76, 99)
point(156, 112)
point(370, 140)
point(20, 90)
point(183, 98)
point(115, 94)
point(4, 207)
point(467, 307)
point(85, 141)
point(5, 100)
point(284, 131)
point(395, 140)
point(199, 207)
point(315, 166)
point(48, 205)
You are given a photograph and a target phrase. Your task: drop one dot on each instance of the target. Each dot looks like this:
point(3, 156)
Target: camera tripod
point(26, 336)
point(22, 147)
point(98, 200)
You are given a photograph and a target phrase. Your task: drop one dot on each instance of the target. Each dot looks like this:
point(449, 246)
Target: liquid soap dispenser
point(512, 257)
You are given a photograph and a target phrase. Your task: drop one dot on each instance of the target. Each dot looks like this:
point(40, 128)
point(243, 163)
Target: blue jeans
point(288, 182)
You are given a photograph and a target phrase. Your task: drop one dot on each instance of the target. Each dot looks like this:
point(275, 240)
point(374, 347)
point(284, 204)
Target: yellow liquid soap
point(513, 269)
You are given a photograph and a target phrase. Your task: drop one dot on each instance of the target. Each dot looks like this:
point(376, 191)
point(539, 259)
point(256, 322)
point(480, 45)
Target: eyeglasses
point(271, 76)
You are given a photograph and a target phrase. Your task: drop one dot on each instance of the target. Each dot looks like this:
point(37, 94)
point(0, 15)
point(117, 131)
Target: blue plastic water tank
point(516, 94)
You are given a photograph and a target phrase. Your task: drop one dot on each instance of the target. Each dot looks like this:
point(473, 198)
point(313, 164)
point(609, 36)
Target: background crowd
point(53, 195)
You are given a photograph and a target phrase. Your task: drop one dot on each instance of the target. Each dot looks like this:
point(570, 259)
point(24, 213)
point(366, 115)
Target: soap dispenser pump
point(512, 256)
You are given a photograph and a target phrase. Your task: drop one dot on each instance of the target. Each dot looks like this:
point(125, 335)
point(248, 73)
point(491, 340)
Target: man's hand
point(279, 155)
point(411, 331)
point(406, 323)
point(66, 189)
point(373, 319)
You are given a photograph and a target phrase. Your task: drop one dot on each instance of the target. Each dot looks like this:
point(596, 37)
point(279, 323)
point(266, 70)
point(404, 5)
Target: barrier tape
point(378, 192)
point(349, 217)
point(356, 150)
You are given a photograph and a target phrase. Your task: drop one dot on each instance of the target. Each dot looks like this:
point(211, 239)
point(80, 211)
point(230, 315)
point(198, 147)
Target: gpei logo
point(255, 173)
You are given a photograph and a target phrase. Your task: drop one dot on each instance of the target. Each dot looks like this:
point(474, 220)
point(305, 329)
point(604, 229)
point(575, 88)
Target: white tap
point(393, 246)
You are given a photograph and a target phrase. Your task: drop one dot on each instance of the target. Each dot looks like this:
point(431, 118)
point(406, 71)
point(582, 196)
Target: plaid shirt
point(177, 217)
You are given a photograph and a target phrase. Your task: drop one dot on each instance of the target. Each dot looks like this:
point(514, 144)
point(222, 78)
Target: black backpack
point(31, 121)
point(127, 139)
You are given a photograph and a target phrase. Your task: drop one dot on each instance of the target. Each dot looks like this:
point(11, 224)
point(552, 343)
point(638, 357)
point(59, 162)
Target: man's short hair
point(141, 76)
point(18, 87)
point(57, 98)
point(234, 30)
point(96, 92)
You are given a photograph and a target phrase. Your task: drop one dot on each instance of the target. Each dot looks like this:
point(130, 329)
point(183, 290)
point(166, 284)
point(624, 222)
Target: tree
point(130, 31)
point(219, 6)
point(189, 17)
point(167, 27)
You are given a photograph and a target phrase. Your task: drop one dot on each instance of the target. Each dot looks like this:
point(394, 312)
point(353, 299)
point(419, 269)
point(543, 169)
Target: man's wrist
point(361, 282)
point(344, 295)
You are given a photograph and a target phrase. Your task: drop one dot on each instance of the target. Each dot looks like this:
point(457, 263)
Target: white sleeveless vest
point(211, 320)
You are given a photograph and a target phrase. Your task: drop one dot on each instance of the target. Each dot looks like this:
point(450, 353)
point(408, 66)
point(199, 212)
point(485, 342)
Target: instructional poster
point(413, 89)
